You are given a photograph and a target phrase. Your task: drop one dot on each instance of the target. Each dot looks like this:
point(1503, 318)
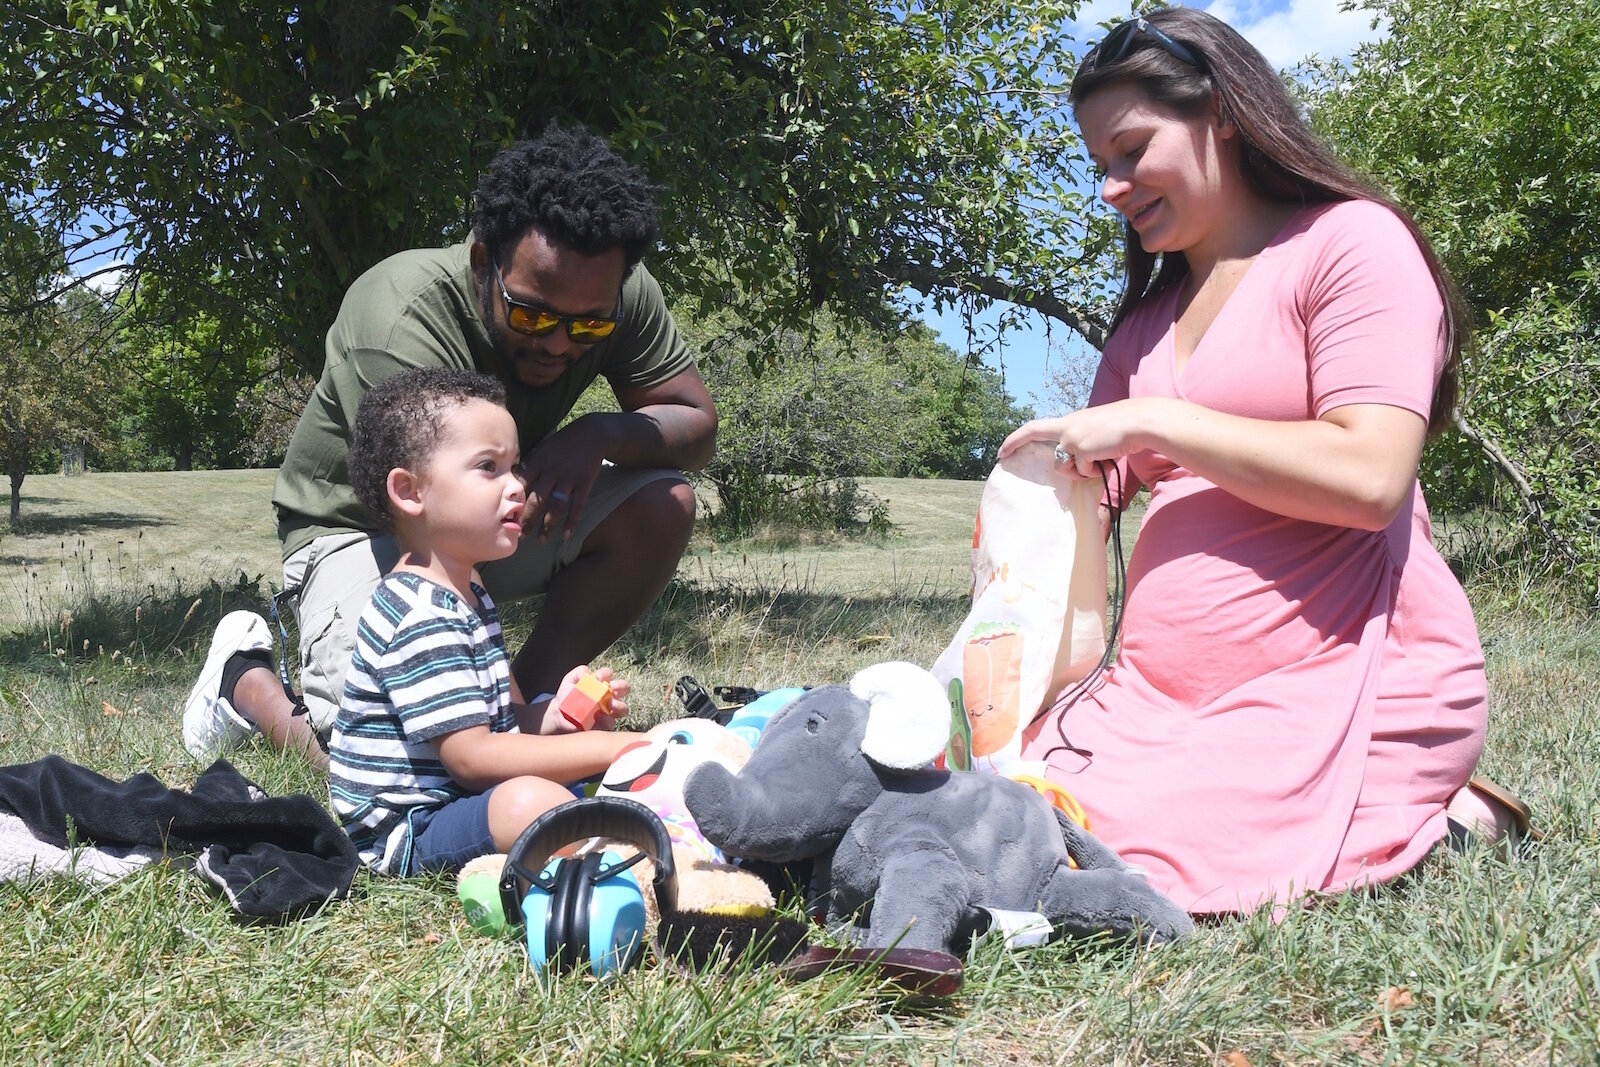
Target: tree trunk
point(17, 469)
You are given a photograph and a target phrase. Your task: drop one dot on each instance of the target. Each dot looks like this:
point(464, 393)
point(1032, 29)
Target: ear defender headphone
point(586, 912)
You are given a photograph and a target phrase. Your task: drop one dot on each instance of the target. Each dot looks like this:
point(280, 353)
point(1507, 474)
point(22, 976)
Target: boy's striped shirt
point(425, 665)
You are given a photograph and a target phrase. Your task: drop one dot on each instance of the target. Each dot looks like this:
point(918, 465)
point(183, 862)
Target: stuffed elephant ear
point(908, 725)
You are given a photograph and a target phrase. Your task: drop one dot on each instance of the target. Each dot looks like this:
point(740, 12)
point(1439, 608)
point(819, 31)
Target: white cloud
point(1091, 14)
point(1286, 35)
point(107, 277)
point(1286, 31)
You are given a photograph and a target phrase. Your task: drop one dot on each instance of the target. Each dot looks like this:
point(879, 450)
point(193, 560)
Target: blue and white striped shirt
point(425, 665)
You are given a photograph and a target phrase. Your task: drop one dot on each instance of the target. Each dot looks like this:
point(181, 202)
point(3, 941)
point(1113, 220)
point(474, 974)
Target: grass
point(90, 537)
point(1476, 959)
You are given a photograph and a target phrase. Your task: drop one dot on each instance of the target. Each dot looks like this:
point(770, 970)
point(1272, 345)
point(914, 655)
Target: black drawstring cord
point(1119, 580)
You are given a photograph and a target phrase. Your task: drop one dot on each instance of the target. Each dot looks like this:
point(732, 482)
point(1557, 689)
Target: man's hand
point(559, 474)
point(669, 424)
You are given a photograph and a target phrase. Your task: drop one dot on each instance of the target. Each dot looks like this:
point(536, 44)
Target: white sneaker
point(210, 724)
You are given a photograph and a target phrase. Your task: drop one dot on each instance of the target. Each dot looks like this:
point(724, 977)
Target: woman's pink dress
point(1293, 703)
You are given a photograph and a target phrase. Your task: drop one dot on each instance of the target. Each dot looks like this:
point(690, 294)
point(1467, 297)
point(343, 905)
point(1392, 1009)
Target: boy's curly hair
point(573, 186)
point(399, 423)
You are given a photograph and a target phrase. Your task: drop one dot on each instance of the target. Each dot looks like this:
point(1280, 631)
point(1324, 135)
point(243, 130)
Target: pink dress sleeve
point(1367, 296)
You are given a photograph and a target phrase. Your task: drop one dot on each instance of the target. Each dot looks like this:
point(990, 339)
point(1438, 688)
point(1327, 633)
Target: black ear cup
point(511, 897)
point(577, 949)
point(565, 936)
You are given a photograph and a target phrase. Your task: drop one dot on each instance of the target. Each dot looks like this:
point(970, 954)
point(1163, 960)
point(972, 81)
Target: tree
point(54, 378)
point(258, 156)
point(842, 402)
point(1484, 119)
point(187, 374)
point(1072, 380)
point(963, 411)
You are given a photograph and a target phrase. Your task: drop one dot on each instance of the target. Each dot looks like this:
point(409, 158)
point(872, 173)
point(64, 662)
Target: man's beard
point(512, 353)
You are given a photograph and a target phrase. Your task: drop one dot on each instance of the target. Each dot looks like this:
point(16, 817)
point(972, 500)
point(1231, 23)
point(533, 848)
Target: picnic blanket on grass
point(24, 855)
point(276, 858)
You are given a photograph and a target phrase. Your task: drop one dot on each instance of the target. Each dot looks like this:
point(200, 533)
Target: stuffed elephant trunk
point(754, 818)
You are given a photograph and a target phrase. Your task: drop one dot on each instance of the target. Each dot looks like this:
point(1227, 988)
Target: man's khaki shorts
point(330, 581)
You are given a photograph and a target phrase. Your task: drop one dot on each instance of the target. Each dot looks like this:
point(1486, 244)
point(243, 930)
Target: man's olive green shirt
point(420, 309)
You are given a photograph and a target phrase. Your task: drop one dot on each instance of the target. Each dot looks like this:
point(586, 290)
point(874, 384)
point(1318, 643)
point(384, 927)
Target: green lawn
point(114, 582)
point(92, 534)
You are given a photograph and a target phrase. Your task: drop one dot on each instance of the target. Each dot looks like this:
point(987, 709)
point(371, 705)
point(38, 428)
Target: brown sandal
point(1521, 817)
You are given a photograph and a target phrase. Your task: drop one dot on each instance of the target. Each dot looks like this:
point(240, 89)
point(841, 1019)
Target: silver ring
point(557, 496)
point(1062, 455)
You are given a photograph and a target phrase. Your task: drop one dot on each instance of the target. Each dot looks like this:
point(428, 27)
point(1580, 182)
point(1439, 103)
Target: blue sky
point(1286, 31)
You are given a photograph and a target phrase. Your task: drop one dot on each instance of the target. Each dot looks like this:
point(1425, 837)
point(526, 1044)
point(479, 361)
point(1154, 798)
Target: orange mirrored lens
point(538, 323)
point(590, 329)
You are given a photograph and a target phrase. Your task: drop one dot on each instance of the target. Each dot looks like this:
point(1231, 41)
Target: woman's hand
point(1106, 432)
point(1354, 466)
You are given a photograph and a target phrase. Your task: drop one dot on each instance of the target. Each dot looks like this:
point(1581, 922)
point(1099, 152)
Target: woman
point(1300, 687)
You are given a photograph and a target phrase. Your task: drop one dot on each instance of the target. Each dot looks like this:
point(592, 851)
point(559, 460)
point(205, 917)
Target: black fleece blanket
point(276, 858)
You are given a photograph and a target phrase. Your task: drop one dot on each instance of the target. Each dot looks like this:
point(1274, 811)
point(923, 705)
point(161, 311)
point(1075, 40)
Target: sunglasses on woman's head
point(1119, 42)
point(536, 321)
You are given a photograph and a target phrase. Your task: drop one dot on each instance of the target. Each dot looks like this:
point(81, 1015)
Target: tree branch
point(1499, 458)
point(1519, 481)
point(927, 282)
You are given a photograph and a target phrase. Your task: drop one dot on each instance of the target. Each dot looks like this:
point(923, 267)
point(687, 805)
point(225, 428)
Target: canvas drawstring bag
point(1037, 622)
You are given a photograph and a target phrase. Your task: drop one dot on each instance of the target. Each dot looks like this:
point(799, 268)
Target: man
point(546, 295)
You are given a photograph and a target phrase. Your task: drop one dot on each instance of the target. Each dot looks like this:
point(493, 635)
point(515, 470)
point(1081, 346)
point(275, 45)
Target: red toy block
point(587, 699)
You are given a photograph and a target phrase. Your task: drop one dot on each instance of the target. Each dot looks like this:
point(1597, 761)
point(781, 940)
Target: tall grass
point(1478, 958)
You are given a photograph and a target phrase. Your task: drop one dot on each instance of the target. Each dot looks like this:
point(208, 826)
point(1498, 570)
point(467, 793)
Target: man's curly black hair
point(399, 424)
point(574, 187)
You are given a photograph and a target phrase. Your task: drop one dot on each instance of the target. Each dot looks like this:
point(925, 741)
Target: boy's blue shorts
point(445, 838)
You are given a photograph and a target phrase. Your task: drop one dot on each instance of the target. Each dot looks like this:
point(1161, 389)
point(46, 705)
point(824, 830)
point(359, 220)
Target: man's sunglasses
point(1119, 42)
point(536, 321)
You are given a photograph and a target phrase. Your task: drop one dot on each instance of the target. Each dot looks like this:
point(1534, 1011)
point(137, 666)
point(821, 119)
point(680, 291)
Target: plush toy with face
point(654, 770)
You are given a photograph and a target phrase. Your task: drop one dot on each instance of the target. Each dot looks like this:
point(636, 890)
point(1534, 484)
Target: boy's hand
point(605, 718)
point(618, 708)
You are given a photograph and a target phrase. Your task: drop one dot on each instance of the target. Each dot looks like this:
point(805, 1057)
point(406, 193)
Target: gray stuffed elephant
point(848, 771)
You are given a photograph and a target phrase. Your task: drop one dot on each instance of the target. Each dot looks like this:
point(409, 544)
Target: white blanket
point(24, 857)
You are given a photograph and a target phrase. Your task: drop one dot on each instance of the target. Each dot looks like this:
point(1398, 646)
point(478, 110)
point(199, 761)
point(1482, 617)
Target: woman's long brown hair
point(1280, 157)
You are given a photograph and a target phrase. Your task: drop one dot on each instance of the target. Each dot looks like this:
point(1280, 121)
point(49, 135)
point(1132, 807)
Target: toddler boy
point(435, 758)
